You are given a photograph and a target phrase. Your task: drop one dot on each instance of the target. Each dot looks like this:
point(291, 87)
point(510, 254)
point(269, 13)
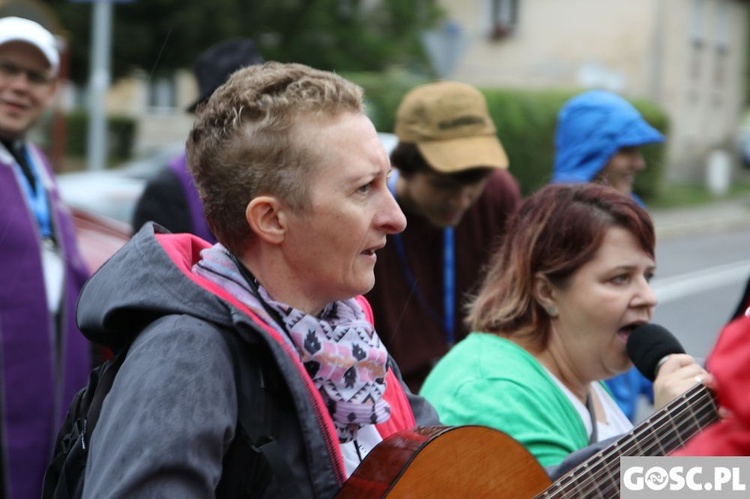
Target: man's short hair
point(408, 160)
point(246, 141)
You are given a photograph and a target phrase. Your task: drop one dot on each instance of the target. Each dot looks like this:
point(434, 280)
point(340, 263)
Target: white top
point(617, 422)
point(367, 438)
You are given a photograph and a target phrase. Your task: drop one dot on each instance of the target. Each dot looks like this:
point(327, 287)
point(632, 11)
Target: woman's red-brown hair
point(555, 231)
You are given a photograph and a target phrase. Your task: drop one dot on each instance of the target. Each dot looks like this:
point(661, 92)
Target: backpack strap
point(71, 474)
point(64, 476)
point(252, 460)
point(106, 379)
point(255, 456)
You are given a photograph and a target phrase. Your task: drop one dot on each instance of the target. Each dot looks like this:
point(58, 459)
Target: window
point(162, 94)
point(503, 18)
point(722, 26)
point(721, 35)
point(697, 15)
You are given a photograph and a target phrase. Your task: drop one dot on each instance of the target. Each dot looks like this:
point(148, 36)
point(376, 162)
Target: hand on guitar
point(678, 373)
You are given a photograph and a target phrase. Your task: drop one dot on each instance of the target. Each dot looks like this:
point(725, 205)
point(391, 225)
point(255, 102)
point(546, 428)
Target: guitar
point(476, 461)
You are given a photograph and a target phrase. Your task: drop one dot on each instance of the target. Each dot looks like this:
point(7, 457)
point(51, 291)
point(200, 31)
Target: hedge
point(525, 121)
point(120, 137)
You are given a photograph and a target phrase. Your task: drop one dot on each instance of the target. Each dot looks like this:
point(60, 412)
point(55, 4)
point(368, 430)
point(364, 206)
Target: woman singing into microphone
point(551, 321)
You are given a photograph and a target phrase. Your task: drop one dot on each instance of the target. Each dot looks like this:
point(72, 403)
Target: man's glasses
point(9, 70)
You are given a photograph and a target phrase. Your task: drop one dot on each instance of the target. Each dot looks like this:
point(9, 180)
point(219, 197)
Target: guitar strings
point(652, 445)
point(602, 478)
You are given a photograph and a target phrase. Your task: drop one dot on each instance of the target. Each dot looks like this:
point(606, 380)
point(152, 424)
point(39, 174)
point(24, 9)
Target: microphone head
point(648, 344)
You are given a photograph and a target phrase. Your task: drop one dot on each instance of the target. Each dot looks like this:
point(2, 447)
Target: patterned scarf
point(340, 349)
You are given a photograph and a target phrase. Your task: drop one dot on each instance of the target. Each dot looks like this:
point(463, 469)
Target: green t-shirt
point(490, 381)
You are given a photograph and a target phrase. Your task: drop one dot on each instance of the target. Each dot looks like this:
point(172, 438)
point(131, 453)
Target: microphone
point(649, 345)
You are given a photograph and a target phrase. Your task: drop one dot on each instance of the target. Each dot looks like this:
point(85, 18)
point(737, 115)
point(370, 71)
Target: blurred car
point(98, 237)
point(103, 202)
point(114, 193)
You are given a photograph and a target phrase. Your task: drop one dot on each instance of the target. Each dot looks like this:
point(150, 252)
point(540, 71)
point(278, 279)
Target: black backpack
point(251, 461)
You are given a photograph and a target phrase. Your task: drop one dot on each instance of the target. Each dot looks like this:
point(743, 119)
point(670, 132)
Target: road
point(699, 281)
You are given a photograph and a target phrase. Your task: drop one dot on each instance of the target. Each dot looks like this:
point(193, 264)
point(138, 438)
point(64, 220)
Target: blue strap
point(449, 281)
point(449, 275)
point(37, 199)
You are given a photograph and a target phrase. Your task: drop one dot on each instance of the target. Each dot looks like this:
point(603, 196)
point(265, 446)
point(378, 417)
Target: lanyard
point(36, 199)
point(449, 275)
point(449, 283)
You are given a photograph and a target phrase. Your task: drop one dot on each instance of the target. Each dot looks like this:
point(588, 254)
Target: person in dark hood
point(294, 183)
point(597, 139)
point(170, 198)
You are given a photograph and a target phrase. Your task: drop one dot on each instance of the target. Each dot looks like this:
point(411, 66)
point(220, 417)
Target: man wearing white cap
point(453, 185)
point(44, 359)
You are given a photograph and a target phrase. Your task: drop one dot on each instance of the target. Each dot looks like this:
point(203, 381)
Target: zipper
point(320, 417)
point(325, 425)
point(84, 423)
point(313, 394)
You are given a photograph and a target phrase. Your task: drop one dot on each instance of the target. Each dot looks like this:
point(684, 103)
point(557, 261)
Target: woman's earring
point(551, 311)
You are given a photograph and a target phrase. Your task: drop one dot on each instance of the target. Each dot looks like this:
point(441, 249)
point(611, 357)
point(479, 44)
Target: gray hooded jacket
point(172, 410)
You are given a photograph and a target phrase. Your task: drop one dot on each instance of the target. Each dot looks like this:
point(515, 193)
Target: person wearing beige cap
point(452, 183)
point(45, 359)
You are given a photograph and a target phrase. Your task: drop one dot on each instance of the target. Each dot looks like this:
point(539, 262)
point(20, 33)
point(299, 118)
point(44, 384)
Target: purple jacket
point(41, 367)
point(200, 228)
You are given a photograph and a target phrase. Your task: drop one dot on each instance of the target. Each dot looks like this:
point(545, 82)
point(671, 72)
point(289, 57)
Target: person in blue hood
point(598, 139)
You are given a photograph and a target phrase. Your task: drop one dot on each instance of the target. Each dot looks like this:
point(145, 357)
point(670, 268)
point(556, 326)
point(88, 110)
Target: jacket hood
point(591, 128)
point(146, 279)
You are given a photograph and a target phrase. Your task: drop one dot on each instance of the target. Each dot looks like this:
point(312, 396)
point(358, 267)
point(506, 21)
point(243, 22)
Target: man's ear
point(544, 293)
point(265, 216)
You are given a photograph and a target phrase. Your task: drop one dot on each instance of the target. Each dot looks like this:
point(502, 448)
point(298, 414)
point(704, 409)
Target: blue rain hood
point(591, 128)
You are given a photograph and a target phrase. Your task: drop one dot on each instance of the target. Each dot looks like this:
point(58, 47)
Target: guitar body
point(476, 461)
point(445, 461)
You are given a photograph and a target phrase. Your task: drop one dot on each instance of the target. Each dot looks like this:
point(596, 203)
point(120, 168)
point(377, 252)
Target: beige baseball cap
point(450, 124)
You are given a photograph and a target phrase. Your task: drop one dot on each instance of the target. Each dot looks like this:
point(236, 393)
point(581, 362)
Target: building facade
point(688, 56)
